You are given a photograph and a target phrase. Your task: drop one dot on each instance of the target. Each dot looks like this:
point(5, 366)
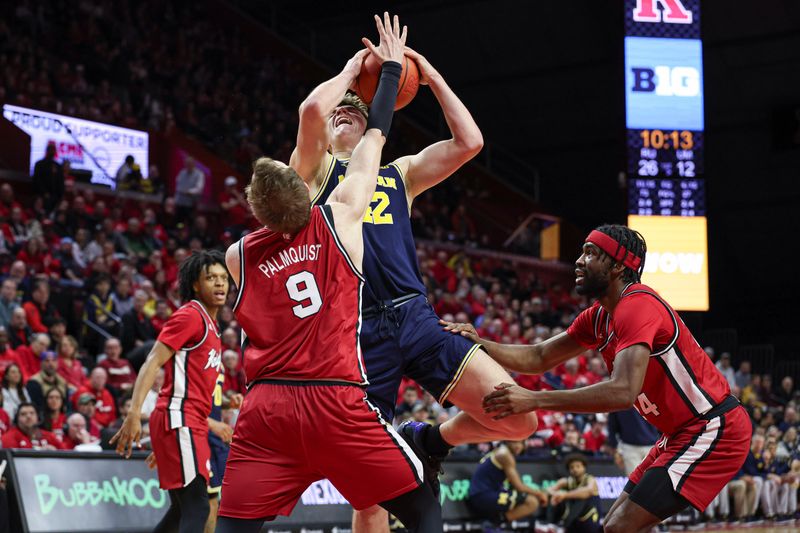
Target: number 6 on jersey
point(309, 293)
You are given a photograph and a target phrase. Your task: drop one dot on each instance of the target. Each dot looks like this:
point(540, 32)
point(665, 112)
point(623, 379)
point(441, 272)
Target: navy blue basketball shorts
point(407, 339)
point(219, 456)
point(495, 504)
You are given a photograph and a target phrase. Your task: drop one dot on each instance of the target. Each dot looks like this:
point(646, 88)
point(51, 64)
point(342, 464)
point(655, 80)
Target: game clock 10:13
point(665, 153)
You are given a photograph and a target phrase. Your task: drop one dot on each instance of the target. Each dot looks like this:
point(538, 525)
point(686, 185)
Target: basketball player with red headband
point(655, 365)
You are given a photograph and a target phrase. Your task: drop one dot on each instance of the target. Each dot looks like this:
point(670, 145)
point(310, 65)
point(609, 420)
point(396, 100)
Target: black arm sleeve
point(382, 108)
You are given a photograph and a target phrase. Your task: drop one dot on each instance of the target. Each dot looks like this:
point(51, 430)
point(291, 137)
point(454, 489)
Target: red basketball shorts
point(288, 436)
point(702, 457)
point(182, 453)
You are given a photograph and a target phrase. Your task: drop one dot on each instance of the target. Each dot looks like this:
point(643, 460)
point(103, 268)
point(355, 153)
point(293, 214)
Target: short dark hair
point(571, 458)
point(191, 268)
point(352, 99)
point(19, 410)
point(278, 197)
point(632, 241)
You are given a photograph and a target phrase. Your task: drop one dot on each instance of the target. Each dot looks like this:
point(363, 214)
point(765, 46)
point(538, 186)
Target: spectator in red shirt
point(31, 355)
point(78, 436)
point(26, 433)
point(38, 258)
point(69, 367)
point(235, 207)
point(105, 405)
point(594, 439)
point(87, 406)
point(121, 375)
point(162, 315)
point(54, 413)
point(596, 370)
point(448, 304)
point(39, 312)
point(235, 381)
point(18, 330)
point(230, 339)
point(7, 355)
point(571, 378)
point(7, 200)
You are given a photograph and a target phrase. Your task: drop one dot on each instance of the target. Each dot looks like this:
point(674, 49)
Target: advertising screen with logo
point(677, 259)
point(93, 146)
point(72, 492)
point(663, 83)
point(673, 19)
point(81, 492)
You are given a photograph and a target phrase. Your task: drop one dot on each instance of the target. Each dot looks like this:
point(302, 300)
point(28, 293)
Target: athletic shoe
point(413, 433)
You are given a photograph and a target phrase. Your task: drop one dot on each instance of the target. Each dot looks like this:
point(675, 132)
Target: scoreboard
point(664, 115)
point(667, 197)
point(664, 88)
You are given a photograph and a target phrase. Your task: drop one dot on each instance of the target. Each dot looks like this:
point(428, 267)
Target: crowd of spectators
point(100, 60)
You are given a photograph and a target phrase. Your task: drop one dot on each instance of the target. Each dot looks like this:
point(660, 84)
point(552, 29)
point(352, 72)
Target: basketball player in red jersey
point(401, 334)
point(306, 416)
point(655, 365)
point(190, 350)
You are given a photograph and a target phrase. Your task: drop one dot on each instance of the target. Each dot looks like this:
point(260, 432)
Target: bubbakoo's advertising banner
point(102, 493)
point(676, 265)
point(62, 493)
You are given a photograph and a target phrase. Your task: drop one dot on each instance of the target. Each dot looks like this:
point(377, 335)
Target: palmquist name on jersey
point(288, 257)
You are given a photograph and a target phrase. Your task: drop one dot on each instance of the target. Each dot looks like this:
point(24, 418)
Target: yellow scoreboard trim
point(677, 259)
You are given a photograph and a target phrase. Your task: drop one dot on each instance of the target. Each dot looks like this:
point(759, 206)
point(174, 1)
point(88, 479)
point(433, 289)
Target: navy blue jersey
point(390, 265)
point(488, 477)
point(216, 410)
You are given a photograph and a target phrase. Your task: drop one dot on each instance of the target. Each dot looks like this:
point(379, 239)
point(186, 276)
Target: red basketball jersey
point(191, 375)
point(299, 305)
point(681, 381)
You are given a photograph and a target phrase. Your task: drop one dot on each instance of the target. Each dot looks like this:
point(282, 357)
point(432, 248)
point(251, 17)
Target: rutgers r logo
point(672, 12)
point(214, 360)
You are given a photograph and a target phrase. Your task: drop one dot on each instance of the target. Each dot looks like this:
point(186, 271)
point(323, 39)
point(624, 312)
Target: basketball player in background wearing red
point(401, 333)
point(190, 350)
point(306, 416)
point(655, 365)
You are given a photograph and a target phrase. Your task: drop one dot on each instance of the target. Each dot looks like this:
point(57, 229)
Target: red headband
point(610, 246)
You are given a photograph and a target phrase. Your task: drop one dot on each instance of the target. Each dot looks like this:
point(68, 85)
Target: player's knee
point(518, 427)
point(376, 511)
point(612, 525)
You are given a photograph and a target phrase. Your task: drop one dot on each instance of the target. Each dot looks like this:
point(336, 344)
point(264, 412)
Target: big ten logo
point(671, 12)
point(666, 81)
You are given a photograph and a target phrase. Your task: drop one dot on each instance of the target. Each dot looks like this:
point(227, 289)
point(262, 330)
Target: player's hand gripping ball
point(367, 81)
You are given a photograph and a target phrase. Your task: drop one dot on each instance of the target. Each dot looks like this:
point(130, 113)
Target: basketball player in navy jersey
point(401, 334)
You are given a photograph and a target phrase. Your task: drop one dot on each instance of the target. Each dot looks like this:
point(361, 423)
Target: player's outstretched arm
point(522, 358)
point(350, 199)
point(310, 153)
point(439, 160)
point(616, 394)
point(131, 430)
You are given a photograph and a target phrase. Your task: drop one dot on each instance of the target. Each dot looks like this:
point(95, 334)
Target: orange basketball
point(367, 81)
